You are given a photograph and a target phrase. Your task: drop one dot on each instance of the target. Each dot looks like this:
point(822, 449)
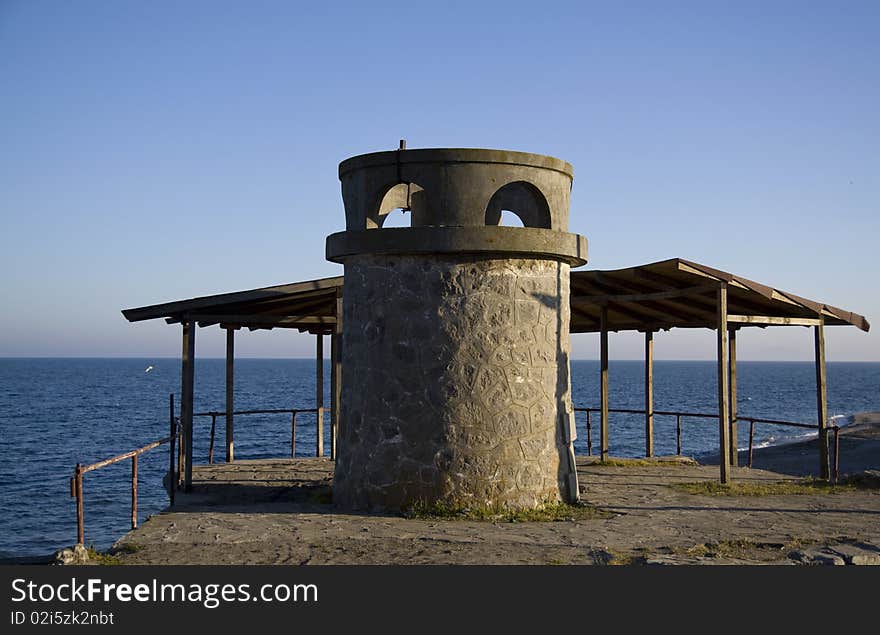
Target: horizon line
point(310, 358)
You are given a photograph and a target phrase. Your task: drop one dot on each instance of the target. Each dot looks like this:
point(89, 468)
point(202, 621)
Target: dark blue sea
point(57, 412)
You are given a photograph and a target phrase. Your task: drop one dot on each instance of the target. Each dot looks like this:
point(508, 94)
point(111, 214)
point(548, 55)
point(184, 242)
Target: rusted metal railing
point(829, 429)
point(177, 441)
point(76, 482)
point(293, 412)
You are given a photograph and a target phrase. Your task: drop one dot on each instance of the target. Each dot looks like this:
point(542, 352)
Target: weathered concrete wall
point(456, 382)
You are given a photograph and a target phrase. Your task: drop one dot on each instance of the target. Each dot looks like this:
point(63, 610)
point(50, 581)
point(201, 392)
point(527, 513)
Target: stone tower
point(455, 342)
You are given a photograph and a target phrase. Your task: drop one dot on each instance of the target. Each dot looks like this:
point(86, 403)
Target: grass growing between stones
point(549, 512)
point(616, 558)
point(100, 558)
point(780, 488)
point(745, 549)
point(127, 547)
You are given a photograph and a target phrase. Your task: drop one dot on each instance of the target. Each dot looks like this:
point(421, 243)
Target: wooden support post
point(836, 471)
point(172, 435)
point(649, 394)
point(187, 377)
point(180, 442)
point(335, 376)
point(589, 435)
point(319, 395)
point(734, 443)
point(80, 517)
point(751, 439)
point(293, 435)
point(678, 435)
point(603, 384)
point(336, 390)
point(230, 395)
point(723, 387)
point(211, 442)
point(822, 400)
point(134, 491)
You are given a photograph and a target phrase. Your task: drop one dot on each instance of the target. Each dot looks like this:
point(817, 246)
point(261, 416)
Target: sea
point(55, 413)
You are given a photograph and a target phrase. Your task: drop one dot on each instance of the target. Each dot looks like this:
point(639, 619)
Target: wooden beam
point(230, 399)
point(693, 306)
point(643, 309)
point(603, 383)
point(301, 304)
point(734, 453)
point(336, 377)
point(656, 278)
point(723, 386)
point(253, 295)
point(698, 306)
point(282, 302)
point(772, 320)
point(635, 312)
point(302, 328)
point(319, 394)
point(187, 382)
point(641, 297)
point(264, 320)
point(821, 399)
point(334, 406)
point(581, 312)
point(649, 393)
point(594, 326)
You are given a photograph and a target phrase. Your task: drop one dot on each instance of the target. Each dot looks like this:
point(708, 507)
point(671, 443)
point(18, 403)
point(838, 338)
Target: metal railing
point(176, 439)
point(833, 428)
point(222, 413)
point(76, 481)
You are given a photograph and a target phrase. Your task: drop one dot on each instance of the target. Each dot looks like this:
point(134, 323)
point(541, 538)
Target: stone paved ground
point(274, 512)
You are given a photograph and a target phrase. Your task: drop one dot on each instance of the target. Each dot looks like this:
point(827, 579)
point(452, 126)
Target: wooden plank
point(319, 395)
point(134, 491)
point(734, 453)
point(193, 304)
point(186, 398)
point(263, 320)
point(583, 326)
point(230, 396)
point(691, 308)
point(772, 320)
point(708, 306)
point(649, 393)
point(655, 278)
point(821, 400)
point(657, 312)
point(723, 387)
point(299, 304)
point(336, 374)
point(603, 385)
point(641, 297)
point(334, 387)
point(636, 312)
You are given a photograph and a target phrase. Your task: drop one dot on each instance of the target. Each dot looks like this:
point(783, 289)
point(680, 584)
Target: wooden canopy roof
point(669, 294)
point(307, 306)
point(678, 293)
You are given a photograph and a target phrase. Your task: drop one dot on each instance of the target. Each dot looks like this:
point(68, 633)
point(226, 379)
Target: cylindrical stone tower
point(455, 341)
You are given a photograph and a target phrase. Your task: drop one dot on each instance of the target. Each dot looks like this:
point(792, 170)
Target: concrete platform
point(277, 512)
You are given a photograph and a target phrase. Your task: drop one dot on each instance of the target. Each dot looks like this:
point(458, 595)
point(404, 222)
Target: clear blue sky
point(152, 151)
